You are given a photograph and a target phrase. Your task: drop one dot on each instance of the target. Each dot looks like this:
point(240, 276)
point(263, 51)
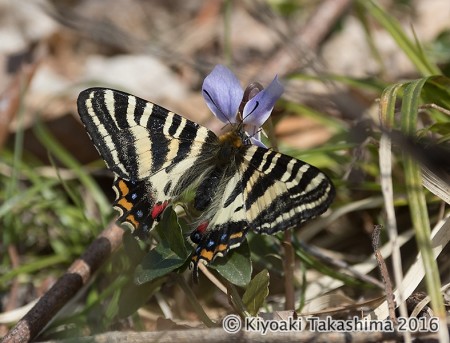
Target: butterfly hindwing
point(133, 201)
point(225, 229)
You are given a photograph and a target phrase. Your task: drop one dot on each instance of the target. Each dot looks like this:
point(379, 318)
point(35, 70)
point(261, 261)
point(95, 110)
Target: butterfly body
point(156, 155)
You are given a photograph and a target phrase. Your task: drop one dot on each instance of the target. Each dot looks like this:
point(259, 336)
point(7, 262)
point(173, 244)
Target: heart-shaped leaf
point(160, 261)
point(236, 267)
point(256, 292)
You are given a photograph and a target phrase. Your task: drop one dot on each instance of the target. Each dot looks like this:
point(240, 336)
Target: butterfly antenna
point(249, 93)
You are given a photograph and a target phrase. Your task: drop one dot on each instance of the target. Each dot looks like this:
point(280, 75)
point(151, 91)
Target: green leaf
point(237, 267)
point(431, 88)
point(158, 262)
point(257, 292)
point(170, 233)
point(132, 248)
point(265, 253)
point(416, 197)
point(133, 296)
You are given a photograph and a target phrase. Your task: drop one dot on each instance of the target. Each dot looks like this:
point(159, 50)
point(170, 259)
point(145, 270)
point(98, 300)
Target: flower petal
point(258, 109)
point(254, 132)
point(223, 93)
point(257, 142)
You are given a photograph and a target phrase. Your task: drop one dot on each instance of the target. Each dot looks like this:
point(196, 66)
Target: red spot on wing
point(158, 209)
point(202, 227)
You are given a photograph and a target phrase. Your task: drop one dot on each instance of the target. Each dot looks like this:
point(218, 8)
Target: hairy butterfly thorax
point(240, 185)
point(233, 145)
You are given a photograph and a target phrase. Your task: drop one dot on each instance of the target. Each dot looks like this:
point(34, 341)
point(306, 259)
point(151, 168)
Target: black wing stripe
point(137, 138)
point(119, 104)
point(159, 143)
point(255, 160)
point(183, 147)
point(139, 109)
point(100, 124)
point(284, 192)
point(272, 170)
point(306, 206)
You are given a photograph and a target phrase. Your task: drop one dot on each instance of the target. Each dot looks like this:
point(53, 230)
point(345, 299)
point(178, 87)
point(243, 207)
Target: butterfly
point(156, 155)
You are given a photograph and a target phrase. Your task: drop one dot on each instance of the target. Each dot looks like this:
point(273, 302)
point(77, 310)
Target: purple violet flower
point(223, 95)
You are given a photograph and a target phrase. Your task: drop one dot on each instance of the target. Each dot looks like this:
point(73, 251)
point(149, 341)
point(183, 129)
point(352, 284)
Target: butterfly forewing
point(269, 192)
point(281, 192)
point(137, 138)
point(155, 154)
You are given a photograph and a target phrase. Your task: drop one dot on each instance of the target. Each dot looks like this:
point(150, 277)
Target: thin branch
point(288, 266)
point(194, 301)
point(217, 335)
point(384, 273)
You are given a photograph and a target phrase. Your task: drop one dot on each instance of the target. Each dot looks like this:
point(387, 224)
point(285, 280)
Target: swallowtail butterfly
point(156, 155)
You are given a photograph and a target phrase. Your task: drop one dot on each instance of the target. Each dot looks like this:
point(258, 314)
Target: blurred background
point(334, 57)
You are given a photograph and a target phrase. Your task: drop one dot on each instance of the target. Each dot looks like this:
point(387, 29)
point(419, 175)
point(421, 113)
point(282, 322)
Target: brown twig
point(288, 265)
point(289, 254)
point(67, 286)
point(384, 273)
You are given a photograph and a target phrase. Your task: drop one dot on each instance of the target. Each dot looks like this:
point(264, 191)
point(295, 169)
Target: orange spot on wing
point(221, 247)
point(125, 204)
point(236, 235)
point(130, 218)
point(207, 255)
point(124, 189)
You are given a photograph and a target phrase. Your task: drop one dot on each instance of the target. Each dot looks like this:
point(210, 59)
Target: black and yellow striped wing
point(282, 192)
point(154, 153)
point(270, 192)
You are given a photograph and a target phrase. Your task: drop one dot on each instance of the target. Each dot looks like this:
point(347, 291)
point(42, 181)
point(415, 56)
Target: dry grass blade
point(326, 283)
point(436, 185)
point(440, 238)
